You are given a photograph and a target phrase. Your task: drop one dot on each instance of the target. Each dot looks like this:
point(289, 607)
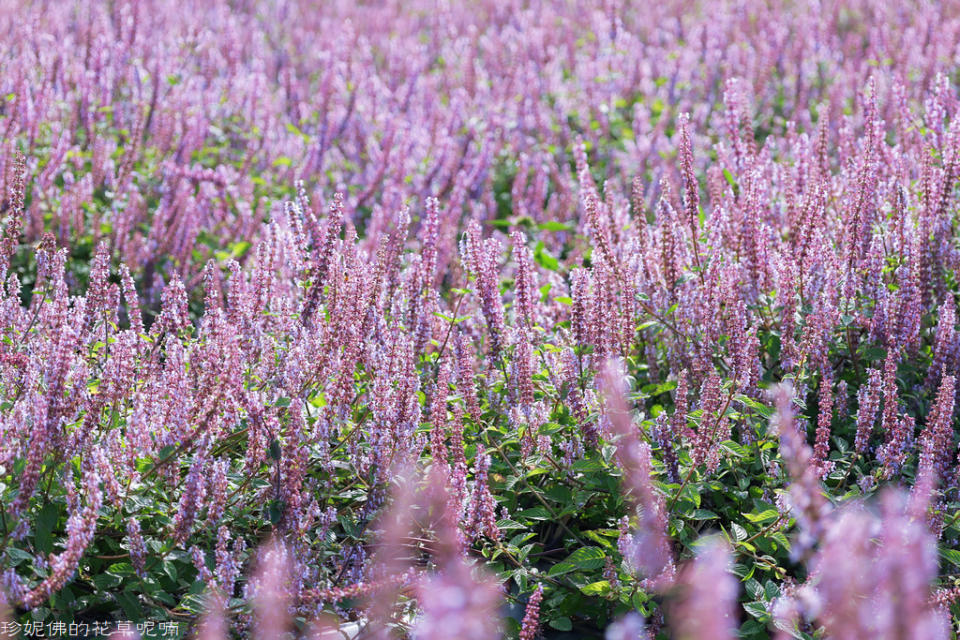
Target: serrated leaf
point(764, 516)
point(536, 513)
point(753, 588)
point(950, 555)
point(584, 558)
point(770, 590)
point(587, 465)
point(734, 448)
point(18, 555)
point(702, 514)
point(757, 610)
point(600, 588)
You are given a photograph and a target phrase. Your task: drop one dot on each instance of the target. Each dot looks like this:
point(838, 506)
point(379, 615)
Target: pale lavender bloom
point(217, 490)
point(706, 607)
point(191, 500)
point(213, 625)
point(173, 314)
point(938, 432)
point(138, 550)
point(271, 591)
point(481, 515)
point(648, 550)
point(837, 205)
point(945, 349)
point(81, 527)
point(629, 627)
point(457, 604)
point(868, 399)
point(822, 444)
point(805, 498)
point(873, 575)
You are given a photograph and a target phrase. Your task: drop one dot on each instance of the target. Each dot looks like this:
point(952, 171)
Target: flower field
point(503, 319)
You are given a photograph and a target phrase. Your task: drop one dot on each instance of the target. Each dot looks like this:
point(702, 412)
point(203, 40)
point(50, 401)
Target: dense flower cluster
point(412, 319)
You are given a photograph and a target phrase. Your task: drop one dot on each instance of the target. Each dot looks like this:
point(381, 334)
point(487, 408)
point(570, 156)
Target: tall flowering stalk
point(481, 258)
point(868, 400)
point(937, 434)
point(805, 496)
point(458, 599)
point(270, 591)
point(822, 446)
point(705, 608)
point(529, 628)
point(81, 527)
point(481, 516)
point(648, 548)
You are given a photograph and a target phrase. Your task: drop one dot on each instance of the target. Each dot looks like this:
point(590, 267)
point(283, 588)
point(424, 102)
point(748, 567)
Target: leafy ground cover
point(426, 320)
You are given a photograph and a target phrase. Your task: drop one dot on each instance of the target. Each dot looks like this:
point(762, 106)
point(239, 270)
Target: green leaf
point(239, 249)
point(742, 571)
point(275, 510)
point(121, 569)
point(106, 581)
point(554, 225)
point(951, 555)
point(764, 516)
point(702, 514)
point(128, 602)
point(606, 540)
point(584, 558)
point(561, 624)
point(600, 588)
point(754, 588)
point(18, 555)
point(757, 610)
point(587, 465)
point(771, 590)
point(733, 448)
point(760, 408)
point(543, 258)
point(46, 522)
point(536, 513)
point(873, 354)
point(730, 179)
point(780, 538)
